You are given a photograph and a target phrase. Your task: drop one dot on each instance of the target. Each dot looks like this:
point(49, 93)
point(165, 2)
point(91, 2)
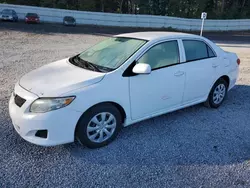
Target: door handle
point(179, 73)
point(214, 66)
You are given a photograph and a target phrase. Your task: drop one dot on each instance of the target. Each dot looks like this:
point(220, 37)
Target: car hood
point(57, 78)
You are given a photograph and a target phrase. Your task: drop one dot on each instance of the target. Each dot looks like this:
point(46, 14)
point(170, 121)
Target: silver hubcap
point(219, 93)
point(101, 127)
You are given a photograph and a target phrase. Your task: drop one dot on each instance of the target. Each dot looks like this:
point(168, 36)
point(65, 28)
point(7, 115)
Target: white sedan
point(122, 80)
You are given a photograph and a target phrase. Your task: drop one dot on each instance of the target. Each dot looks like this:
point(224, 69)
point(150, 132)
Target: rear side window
point(196, 50)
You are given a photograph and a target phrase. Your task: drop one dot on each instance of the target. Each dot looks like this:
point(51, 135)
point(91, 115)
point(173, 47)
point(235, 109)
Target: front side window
point(196, 50)
point(161, 55)
point(112, 52)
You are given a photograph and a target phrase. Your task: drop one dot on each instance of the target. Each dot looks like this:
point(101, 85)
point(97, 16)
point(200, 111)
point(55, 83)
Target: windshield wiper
point(85, 64)
point(98, 68)
point(76, 62)
point(94, 66)
point(106, 69)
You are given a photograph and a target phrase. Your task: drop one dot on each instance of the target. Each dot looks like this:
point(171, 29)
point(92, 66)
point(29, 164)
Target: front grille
point(19, 101)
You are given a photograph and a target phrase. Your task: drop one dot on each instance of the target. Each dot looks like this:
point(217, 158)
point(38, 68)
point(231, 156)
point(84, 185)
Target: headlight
point(48, 104)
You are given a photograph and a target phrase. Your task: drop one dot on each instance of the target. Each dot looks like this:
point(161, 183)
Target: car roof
point(8, 10)
point(157, 35)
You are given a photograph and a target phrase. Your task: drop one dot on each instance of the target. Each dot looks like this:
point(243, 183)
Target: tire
point(217, 94)
point(96, 122)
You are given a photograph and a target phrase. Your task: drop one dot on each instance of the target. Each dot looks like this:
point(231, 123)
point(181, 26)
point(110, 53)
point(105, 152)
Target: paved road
point(235, 37)
point(194, 147)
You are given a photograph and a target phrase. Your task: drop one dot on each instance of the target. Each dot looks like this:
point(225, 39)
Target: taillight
point(238, 61)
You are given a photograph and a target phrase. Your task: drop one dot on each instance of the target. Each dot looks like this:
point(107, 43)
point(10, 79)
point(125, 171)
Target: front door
point(163, 88)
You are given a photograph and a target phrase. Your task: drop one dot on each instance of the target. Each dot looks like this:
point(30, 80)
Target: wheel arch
point(226, 78)
point(78, 129)
point(118, 106)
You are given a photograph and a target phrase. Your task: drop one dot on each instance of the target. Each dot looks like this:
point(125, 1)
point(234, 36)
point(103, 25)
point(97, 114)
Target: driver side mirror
point(142, 68)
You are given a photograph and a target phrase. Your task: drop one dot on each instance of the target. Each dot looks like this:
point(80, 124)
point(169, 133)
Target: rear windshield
point(70, 19)
point(7, 11)
point(32, 15)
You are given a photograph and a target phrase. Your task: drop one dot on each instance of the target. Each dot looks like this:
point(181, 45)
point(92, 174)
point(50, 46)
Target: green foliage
point(216, 9)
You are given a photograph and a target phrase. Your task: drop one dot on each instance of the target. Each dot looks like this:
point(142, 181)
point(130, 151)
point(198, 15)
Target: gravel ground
point(194, 147)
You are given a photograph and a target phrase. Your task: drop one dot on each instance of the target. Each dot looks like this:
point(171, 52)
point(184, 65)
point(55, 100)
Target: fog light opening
point(42, 133)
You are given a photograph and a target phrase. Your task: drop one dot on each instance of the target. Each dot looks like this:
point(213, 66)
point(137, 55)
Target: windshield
point(32, 15)
point(7, 11)
point(112, 52)
point(69, 19)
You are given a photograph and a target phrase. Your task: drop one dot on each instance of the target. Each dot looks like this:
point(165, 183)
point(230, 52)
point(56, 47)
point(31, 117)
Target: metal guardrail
point(129, 20)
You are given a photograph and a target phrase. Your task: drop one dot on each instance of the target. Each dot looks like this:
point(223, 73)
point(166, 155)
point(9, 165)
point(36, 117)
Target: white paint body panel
point(200, 76)
point(156, 91)
point(141, 96)
point(58, 123)
point(57, 78)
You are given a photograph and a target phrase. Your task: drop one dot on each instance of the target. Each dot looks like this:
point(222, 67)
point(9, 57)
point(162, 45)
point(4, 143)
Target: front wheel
point(217, 94)
point(99, 126)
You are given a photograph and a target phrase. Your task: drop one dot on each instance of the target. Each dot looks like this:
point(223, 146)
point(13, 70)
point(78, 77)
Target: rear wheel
point(99, 126)
point(217, 94)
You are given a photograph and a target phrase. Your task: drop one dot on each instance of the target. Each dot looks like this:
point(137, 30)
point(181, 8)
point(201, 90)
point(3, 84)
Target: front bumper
point(69, 23)
point(60, 124)
point(7, 18)
point(32, 21)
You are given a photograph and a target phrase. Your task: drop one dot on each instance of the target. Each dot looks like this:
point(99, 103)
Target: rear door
point(200, 67)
